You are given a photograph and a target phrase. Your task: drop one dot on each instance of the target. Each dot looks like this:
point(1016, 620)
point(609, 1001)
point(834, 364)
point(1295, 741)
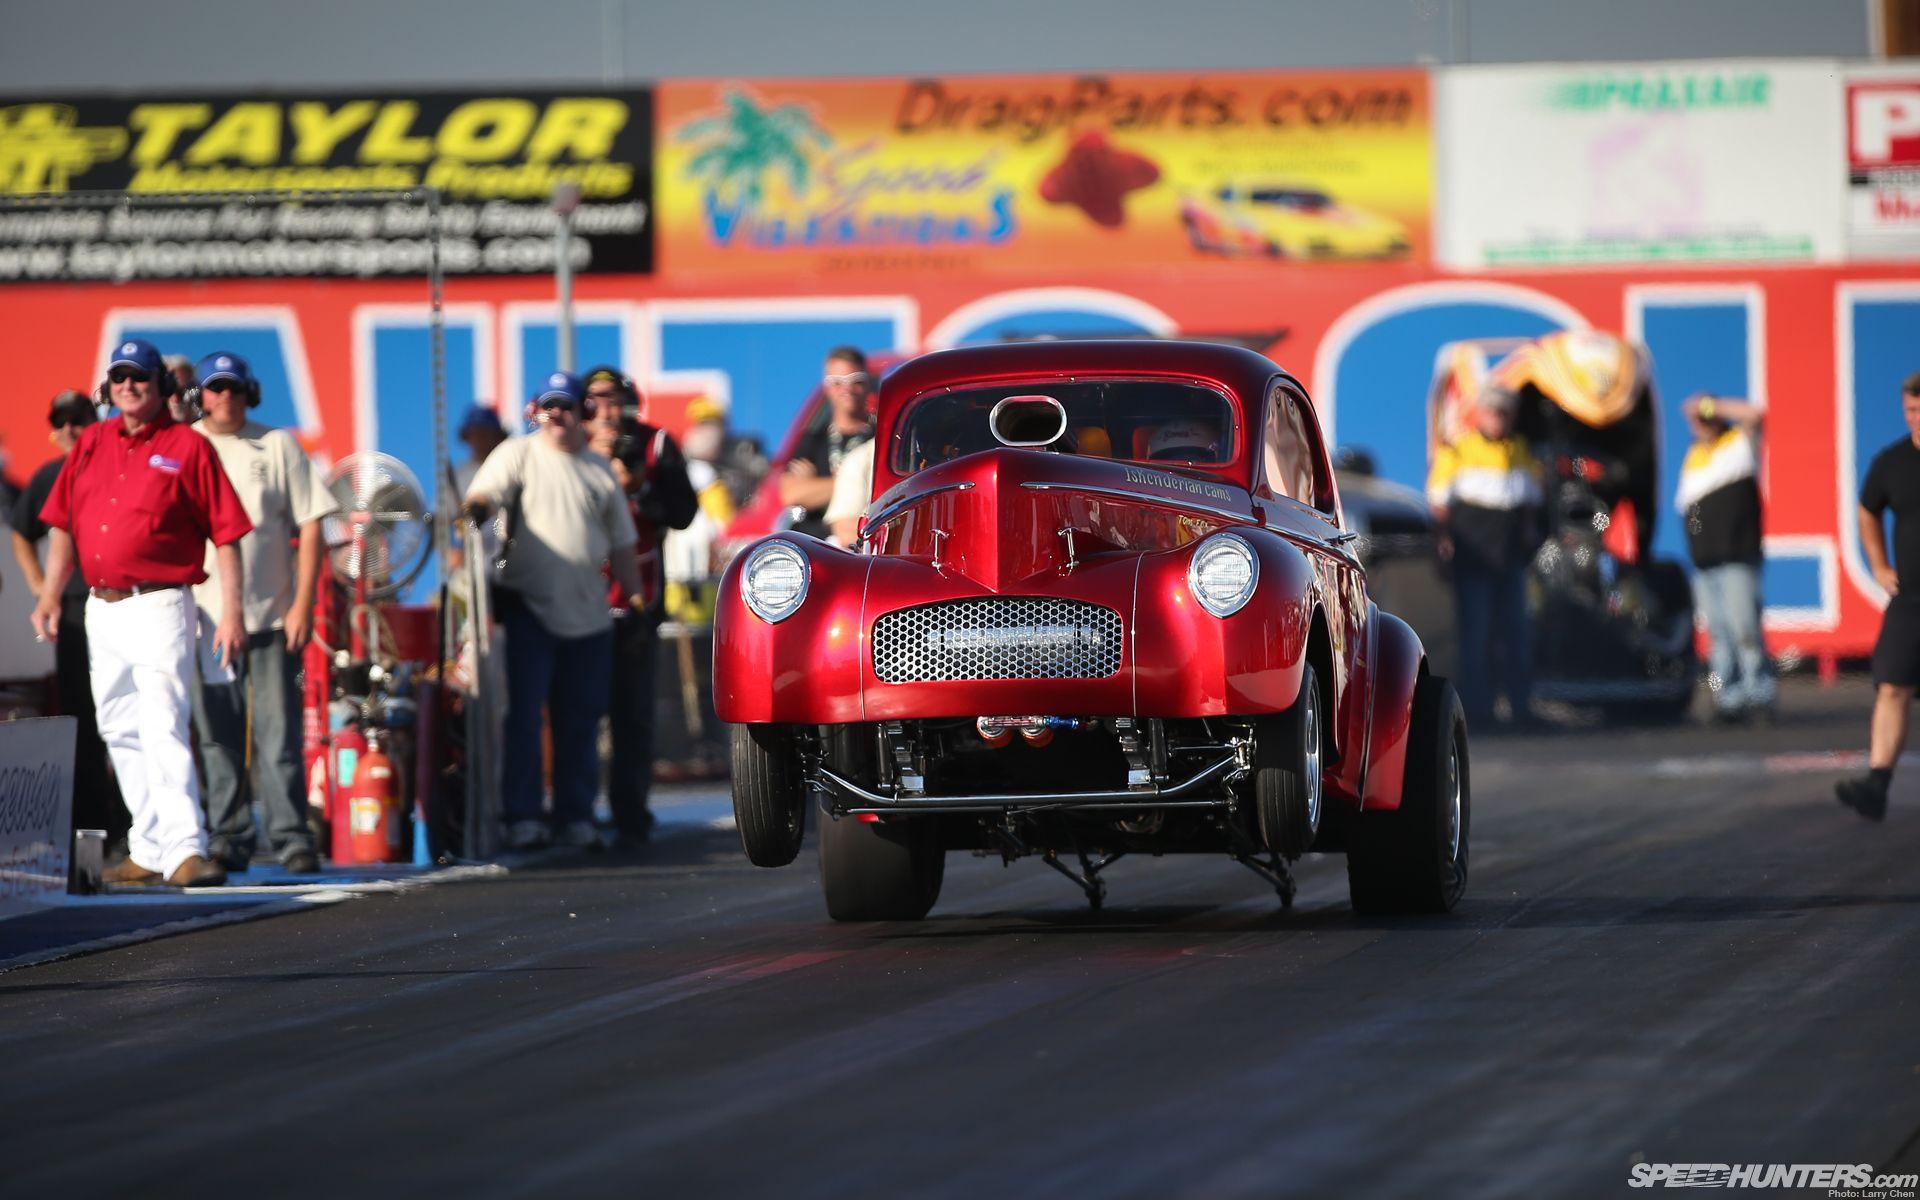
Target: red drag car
point(1105, 603)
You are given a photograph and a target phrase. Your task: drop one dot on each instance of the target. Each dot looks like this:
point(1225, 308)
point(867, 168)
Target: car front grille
point(997, 639)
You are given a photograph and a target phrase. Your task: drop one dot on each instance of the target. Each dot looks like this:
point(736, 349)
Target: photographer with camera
point(653, 474)
point(567, 519)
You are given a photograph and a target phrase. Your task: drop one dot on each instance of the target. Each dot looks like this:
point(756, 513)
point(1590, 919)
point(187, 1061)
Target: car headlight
point(774, 581)
point(1223, 573)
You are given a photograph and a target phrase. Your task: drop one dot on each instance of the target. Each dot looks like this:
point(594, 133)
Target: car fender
point(806, 668)
point(1396, 663)
point(1191, 663)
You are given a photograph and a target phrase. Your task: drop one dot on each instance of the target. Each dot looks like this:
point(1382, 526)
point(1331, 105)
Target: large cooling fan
point(383, 532)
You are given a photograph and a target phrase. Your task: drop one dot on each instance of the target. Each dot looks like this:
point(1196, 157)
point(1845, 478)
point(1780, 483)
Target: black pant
point(635, 642)
point(96, 794)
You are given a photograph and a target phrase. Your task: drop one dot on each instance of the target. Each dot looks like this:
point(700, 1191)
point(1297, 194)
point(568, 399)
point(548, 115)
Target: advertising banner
point(36, 810)
point(1827, 347)
point(1638, 162)
point(1090, 171)
point(1883, 163)
point(495, 157)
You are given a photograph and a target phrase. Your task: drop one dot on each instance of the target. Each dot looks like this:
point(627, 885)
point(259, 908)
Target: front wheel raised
point(1414, 858)
point(769, 800)
point(880, 871)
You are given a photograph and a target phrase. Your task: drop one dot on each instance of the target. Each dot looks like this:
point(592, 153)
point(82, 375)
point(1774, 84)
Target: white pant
point(141, 655)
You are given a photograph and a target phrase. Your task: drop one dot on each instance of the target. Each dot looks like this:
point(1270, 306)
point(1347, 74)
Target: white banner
point(36, 810)
point(1883, 162)
point(1691, 162)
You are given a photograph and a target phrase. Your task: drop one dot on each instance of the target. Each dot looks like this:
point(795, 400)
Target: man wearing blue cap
point(133, 510)
point(567, 516)
point(482, 433)
point(285, 500)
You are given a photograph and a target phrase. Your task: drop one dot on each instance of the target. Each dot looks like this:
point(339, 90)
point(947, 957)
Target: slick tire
point(1288, 786)
point(886, 871)
point(769, 801)
point(1414, 859)
point(880, 871)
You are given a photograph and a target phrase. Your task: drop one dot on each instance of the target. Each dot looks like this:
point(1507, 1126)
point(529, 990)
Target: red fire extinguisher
point(345, 748)
point(374, 809)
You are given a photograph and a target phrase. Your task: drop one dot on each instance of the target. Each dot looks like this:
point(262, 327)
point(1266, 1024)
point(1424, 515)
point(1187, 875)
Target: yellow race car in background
point(1287, 221)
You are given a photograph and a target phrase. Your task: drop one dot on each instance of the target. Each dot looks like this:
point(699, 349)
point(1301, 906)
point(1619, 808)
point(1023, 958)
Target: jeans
point(571, 679)
point(636, 643)
point(262, 705)
point(1496, 638)
point(1728, 597)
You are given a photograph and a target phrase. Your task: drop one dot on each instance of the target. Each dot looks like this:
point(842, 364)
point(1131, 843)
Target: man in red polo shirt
point(139, 499)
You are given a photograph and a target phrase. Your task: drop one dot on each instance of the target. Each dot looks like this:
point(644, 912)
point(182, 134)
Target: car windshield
point(1138, 420)
point(1292, 198)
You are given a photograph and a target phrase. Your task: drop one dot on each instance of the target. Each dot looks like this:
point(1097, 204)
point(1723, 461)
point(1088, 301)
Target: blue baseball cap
point(562, 385)
point(479, 416)
point(139, 354)
point(223, 364)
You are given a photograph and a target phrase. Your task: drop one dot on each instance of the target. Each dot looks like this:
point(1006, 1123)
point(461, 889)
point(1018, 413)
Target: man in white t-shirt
point(567, 517)
point(260, 695)
point(852, 487)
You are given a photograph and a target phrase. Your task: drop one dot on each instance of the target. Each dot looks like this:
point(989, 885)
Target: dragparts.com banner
point(495, 158)
point(952, 174)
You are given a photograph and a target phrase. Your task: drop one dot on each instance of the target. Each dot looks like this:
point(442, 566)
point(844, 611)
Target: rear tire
point(880, 871)
point(769, 801)
point(1414, 859)
point(874, 871)
point(1289, 789)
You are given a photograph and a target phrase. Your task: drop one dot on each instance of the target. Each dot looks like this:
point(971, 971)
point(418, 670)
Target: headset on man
point(141, 356)
point(224, 366)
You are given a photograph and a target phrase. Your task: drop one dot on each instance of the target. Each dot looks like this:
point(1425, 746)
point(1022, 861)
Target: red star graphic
point(1095, 177)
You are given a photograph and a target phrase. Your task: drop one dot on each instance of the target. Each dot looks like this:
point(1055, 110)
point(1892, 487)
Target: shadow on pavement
point(1471, 917)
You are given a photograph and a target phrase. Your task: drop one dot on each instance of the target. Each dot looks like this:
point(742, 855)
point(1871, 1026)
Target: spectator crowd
point(174, 545)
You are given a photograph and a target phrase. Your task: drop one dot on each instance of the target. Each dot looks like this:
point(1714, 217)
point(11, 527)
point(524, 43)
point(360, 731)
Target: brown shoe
point(197, 872)
point(129, 871)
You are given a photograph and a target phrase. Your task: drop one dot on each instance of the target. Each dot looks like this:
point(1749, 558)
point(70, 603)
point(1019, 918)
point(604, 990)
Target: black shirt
point(1893, 482)
point(27, 522)
point(826, 448)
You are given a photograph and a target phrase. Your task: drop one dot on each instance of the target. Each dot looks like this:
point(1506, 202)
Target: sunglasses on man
point(128, 375)
point(556, 404)
point(848, 380)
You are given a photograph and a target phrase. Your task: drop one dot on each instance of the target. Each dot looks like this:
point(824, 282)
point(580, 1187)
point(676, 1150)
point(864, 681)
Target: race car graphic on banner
point(494, 158)
point(953, 174)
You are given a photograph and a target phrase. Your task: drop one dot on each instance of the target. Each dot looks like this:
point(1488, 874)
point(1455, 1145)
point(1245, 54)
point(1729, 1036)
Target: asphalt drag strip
point(1654, 964)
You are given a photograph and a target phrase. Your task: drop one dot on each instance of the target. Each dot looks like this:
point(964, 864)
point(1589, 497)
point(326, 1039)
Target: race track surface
point(1676, 948)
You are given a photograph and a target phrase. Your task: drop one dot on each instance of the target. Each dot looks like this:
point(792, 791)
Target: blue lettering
point(1003, 223)
point(721, 220)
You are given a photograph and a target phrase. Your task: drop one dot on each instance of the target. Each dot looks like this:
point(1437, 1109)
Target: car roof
point(1241, 372)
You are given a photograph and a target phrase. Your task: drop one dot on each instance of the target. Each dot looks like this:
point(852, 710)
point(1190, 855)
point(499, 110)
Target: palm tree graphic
point(745, 141)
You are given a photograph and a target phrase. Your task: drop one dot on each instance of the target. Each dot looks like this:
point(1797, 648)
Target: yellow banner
point(1074, 171)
